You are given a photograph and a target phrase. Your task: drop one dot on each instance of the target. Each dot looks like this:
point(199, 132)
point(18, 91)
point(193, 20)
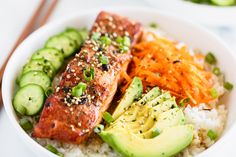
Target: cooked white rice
point(201, 117)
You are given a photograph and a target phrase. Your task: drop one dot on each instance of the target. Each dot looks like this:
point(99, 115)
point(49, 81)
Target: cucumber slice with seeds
point(53, 55)
point(75, 35)
point(40, 65)
point(36, 77)
point(29, 100)
point(63, 43)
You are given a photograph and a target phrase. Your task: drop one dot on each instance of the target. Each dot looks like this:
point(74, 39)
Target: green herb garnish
point(26, 124)
point(212, 135)
point(88, 73)
point(96, 36)
point(184, 101)
point(124, 43)
point(210, 58)
point(214, 93)
point(105, 40)
point(228, 86)
point(216, 71)
point(108, 117)
point(78, 90)
point(103, 59)
point(54, 150)
point(153, 25)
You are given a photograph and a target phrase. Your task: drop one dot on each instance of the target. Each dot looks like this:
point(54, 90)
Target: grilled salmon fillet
point(69, 118)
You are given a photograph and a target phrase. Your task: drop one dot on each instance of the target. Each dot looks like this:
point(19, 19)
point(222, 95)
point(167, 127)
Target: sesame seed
point(100, 23)
point(114, 34)
point(113, 26)
point(126, 33)
point(57, 89)
point(110, 18)
point(77, 55)
point(120, 28)
point(72, 127)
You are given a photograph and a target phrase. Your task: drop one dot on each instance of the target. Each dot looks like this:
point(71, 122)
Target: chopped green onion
point(155, 133)
point(214, 93)
point(54, 150)
point(153, 25)
point(96, 36)
point(124, 43)
point(26, 124)
point(88, 74)
point(105, 40)
point(119, 40)
point(124, 48)
point(98, 128)
point(108, 117)
point(210, 58)
point(78, 90)
point(228, 86)
point(216, 71)
point(103, 59)
point(48, 91)
point(212, 135)
point(184, 101)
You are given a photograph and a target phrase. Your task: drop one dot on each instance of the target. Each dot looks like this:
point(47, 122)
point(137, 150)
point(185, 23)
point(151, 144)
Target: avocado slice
point(153, 93)
point(132, 132)
point(167, 144)
point(134, 91)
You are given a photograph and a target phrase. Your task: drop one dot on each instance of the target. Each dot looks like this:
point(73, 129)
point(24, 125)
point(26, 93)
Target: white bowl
point(205, 14)
point(182, 30)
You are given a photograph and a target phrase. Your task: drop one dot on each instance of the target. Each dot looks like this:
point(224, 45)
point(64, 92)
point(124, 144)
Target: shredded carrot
point(158, 62)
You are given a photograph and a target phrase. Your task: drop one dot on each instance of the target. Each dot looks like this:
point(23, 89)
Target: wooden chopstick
point(27, 30)
point(48, 12)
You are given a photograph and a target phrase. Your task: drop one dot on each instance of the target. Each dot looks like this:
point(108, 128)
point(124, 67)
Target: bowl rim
point(7, 105)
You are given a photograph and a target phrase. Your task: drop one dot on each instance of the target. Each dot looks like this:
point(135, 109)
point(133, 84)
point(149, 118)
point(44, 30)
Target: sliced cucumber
point(29, 99)
point(53, 55)
point(40, 65)
point(63, 43)
point(35, 77)
point(223, 2)
point(18, 77)
point(84, 33)
point(75, 35)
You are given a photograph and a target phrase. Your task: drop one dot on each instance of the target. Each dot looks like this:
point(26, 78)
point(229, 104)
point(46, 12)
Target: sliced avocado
point(133, 92)
point(167, 144)
point(165, 120)
point(153, 93)
point(132, 133)
point(159, 99)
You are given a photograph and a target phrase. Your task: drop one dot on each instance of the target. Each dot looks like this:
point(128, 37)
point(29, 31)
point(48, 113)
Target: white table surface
point(11, 26)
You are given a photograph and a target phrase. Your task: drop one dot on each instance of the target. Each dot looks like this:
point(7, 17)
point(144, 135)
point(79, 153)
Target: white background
point(14, 14)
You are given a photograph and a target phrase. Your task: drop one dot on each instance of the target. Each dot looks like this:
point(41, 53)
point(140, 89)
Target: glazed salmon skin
point(70, 118)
